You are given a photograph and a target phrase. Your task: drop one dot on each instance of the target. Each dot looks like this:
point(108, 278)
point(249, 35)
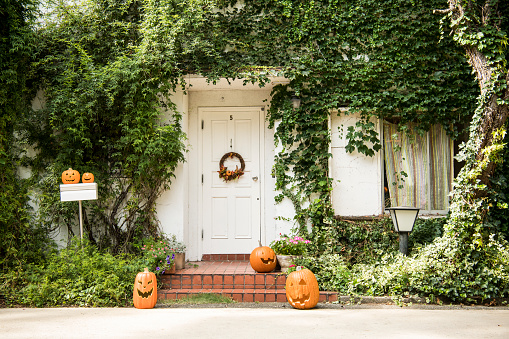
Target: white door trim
point(261, 175)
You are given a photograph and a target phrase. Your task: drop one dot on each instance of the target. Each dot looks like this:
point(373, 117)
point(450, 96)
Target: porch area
point(231, 276)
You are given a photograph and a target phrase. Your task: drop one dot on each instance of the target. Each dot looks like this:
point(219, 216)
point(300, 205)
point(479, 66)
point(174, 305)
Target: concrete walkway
point(363, 322)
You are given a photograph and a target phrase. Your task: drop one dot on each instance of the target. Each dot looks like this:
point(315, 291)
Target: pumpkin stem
point(260, 242)
point(146, 270)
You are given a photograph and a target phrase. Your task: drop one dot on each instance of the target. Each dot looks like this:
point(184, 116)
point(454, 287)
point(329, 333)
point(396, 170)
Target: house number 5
point(231, 117)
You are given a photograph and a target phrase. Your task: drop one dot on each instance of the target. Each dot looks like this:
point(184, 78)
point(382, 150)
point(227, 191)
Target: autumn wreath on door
point(230, 174)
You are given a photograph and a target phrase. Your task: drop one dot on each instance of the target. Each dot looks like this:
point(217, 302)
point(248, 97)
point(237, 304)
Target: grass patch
point(202, 298)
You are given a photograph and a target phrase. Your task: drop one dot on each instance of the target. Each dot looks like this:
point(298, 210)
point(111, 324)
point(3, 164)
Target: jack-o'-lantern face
point(299, 292)
point(145, 290)
point(267, 256)
point(302, 289)
point(71, 176)
point(263, 259)
point(87, 178)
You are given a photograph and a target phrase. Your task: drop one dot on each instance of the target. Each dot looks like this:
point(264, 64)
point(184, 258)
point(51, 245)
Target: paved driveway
point(366, 322)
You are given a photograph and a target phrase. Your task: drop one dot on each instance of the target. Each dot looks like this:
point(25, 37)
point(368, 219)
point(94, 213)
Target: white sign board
point(77, 192)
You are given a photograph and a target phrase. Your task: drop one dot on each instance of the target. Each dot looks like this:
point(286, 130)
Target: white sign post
point(78, 192)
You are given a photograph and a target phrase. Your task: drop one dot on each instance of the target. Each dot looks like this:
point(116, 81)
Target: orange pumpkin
point(87, 178)
point(263, 259)
point(145, 290)
point(70, 176)
point(302, 289)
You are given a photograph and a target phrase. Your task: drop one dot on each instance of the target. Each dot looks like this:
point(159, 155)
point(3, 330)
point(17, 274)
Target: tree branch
point(443, 11)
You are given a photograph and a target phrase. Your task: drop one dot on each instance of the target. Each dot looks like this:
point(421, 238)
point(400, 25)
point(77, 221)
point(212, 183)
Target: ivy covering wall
point(381, 62)
point(104, 103)
point(21, 240)
point(108, 68)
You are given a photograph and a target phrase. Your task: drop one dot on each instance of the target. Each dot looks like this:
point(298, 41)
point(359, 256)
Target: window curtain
point(441, 168)
point(418, 168)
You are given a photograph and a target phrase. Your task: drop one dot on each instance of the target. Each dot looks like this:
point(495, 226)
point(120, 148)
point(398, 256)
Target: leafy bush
point(363, 241)
point(446, 269)
point(439, 267)
point(330, 270)
point(75, 276)
point(425, 231)
point(498, 216)
point(357, 241)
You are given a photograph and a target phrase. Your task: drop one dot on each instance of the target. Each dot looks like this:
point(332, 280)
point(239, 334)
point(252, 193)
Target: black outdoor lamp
point(403, 218)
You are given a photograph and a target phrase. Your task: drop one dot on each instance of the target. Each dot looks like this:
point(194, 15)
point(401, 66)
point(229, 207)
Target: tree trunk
point(476, 28)
point(494, 115)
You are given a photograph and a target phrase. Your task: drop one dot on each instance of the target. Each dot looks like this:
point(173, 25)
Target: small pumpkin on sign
point(302, 289)
point(263, 259)
point(71, 176)
point(145, 290)
point(87, 178)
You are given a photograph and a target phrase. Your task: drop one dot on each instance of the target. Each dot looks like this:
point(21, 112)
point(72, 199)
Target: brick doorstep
point(222, 281)
point(235, 279)
point(241, 295)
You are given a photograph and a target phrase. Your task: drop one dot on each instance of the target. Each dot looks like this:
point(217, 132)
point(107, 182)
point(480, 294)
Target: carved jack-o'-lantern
point(87, 178)
point(302, 289)
point(263, 259)
point(145, 290)
point(70, 176)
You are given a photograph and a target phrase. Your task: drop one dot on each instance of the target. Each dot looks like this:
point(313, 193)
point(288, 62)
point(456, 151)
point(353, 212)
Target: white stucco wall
point(171, 207)
point(357, 186)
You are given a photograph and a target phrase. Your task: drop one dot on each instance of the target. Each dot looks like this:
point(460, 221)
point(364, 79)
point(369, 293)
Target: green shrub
point(330, 270)
point(446, 269)
point(368, 262)
point(358, 241)
point(425, 231)
point(74, 276)
point(364, 241)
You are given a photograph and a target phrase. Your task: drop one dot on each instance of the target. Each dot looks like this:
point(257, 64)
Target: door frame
point(262, 177)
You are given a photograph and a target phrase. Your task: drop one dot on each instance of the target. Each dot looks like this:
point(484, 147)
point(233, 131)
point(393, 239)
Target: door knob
point(255, 178)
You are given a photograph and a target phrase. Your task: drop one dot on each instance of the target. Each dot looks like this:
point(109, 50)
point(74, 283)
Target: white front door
point(231, 221)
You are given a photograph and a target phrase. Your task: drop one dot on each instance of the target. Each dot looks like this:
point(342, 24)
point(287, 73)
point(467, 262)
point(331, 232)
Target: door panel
point(219, 214)
point(231, 210)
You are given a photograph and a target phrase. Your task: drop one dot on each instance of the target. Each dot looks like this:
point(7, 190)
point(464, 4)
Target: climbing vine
point(107, 66)
point(480, 28)
point(104, 100)
point(349, 57)
point(20, 240)
point(107, 69)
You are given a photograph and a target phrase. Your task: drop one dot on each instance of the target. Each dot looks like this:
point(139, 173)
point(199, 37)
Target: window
point(418, 169)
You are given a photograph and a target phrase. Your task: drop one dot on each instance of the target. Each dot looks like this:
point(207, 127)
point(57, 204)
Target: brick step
point(265, 281)
point(241, 295)
point(232, 278)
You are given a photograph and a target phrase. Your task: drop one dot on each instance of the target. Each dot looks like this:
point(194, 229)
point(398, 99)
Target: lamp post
point(403, 218)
